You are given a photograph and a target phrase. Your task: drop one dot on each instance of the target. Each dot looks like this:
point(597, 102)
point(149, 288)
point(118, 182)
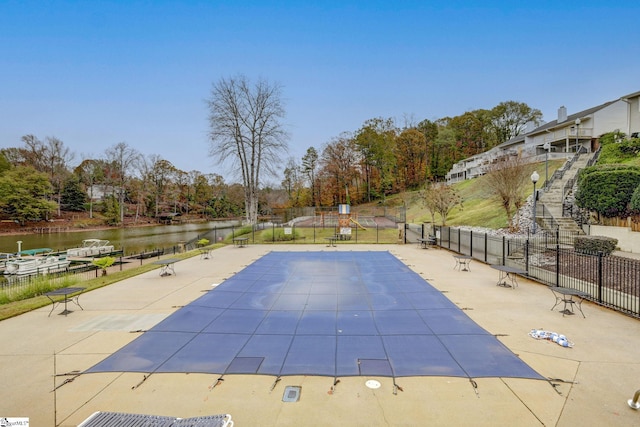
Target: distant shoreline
point(69, 228)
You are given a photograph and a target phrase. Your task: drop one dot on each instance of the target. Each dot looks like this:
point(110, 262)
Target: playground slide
point(357, 223)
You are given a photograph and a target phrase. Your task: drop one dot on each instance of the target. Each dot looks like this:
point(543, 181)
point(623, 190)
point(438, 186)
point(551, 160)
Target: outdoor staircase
point(550, 201)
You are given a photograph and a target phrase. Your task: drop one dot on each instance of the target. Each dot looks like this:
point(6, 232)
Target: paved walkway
point(591, 384)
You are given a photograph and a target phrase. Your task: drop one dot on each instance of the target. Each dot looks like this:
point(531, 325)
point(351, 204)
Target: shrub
point(103, 263)
point(635, 201)
point(594, 244)
point(277, 235)
point(607, 189)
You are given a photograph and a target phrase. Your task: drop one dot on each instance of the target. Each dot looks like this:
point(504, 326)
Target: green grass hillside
point(480, 208)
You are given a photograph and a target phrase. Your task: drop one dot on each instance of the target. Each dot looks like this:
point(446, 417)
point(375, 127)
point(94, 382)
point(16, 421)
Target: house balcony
point(568, 133)
point(568, 139)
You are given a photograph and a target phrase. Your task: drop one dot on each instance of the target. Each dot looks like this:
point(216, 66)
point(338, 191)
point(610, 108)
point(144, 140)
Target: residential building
point(560, 138)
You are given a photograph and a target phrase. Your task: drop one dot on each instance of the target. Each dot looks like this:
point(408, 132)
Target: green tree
point(430, 131)
point(309, 166)
point(444, 153)
point(111, 210)
point(73, 196)
point(510, 118)
point(376, 144)
point(23, 194)
point(103, 263)
point(4, 163)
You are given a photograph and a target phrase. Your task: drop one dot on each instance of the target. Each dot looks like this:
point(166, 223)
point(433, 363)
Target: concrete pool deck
point(591, 382)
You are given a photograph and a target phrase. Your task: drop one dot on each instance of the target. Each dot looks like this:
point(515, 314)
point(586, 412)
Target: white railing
point(569, 132)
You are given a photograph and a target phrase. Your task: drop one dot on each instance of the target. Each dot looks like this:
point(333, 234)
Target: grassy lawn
point(319, 235)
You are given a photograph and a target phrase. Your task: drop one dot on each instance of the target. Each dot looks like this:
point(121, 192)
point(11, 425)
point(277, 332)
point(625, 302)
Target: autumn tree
point(293, 183)
point(471, 132)
point(505, 179)
point(161, 175)
point(410, 155)
point(246, 129)
point(339, 168)
point(202, 191)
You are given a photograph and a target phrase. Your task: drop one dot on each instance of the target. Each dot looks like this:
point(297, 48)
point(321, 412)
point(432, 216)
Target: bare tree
point(57, 158)
point(90, 171)
point(505, 178)
point(123, 158)
point(440, 198)
point(245, 128)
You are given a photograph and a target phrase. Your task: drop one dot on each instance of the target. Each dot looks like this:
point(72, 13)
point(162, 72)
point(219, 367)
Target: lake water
point(131, 240)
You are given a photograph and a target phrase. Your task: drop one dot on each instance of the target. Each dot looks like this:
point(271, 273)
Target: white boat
point(4, 257)
point(91, 248)
point(36, 264)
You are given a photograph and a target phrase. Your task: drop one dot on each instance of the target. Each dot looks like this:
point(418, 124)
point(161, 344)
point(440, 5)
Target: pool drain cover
point(291, 394)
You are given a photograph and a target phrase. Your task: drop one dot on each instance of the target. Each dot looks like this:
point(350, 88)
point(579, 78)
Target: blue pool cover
point(321, 313)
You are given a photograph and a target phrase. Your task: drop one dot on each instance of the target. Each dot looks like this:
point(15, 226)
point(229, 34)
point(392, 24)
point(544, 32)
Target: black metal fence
point(87, 271)
point(368, 232)
point(550, 258)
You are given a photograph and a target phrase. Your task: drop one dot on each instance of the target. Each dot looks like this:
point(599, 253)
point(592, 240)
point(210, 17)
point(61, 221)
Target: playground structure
point(343, 219)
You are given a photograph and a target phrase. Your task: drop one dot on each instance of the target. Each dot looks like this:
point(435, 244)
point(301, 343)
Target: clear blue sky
point(97, 73)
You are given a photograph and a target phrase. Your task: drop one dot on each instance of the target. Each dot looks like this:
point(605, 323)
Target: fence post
point(526, 255)
point(377, 236)
point(486, 246)
point(459, 236)
point(600, 277)
point(471, 243)
point(557, 263)
point(504, 244)
point(558, 256)
point(314, 232)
